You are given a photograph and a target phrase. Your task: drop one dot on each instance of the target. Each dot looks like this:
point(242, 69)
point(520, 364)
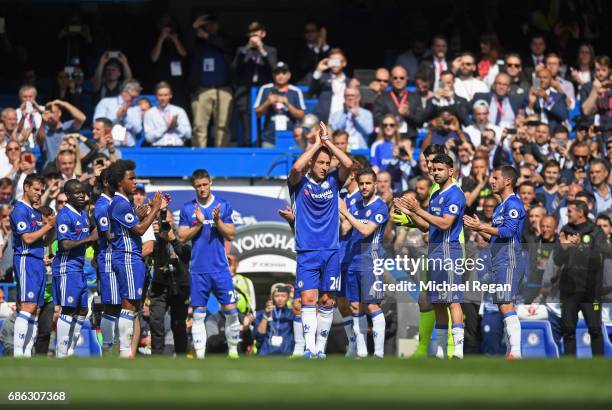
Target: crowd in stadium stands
point(548, 117)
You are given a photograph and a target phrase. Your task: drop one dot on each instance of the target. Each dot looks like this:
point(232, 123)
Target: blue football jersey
point(350, 199)
point(102, 222)
point(25, 219)
point(315, 206)
point(72, 225)
point(122, 219)
point(208, 246)
point(450, 201)
point(361, 250)
point(508, 218)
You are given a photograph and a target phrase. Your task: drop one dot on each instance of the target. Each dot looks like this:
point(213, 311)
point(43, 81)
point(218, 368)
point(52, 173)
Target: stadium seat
point(9, 100)
point(88, 342)
point(583, 341)
point(537, 339)
point(285, 140)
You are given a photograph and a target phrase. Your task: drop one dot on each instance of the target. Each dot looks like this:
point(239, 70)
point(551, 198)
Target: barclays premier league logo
point(21, 226)
point(300, 284)
point(139, 291)
point(129, 218)
point(30, 295)
point(453, 209)
point(104, 221)
point(70, 299)
point(63, 228)
point(378, 218)
point(513, 213)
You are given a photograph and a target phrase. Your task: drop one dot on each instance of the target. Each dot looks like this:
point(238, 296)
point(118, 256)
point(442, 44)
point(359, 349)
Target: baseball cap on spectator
point(280, 287)
point(281, 67)
point(481, 103)
point(310, 121)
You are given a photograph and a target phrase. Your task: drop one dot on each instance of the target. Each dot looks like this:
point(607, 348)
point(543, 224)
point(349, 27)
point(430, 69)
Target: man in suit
point(328, 83)
point(602, 74)
point(406, 106)
point(446, 99)
point(547, 102)
point(560, 84)
point(252, 66)
point(535, 60)
point(313, 50)
point(433, 66)
point(503, 107)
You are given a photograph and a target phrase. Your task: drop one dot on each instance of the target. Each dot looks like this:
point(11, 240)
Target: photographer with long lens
point(170, 285)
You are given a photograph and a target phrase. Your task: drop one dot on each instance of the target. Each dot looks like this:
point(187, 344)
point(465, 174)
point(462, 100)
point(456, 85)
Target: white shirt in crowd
point(156, 129)
point(33, 121)
point(132, 121)
point(467, 88)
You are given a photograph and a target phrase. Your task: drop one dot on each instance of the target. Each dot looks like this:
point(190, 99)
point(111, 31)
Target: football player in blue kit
point(350, 195)
point(109, 284)
point(506, 260)
point(69, 284)
point(444, 220)
point(30, 230)
point(127, 227)
point(367, 219)
point(207, 223)
point(314, 188)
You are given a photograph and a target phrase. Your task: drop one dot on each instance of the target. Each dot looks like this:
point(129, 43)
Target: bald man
point(402, 104)
point(545, 101)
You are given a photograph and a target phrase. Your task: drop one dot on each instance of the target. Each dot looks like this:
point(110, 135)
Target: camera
point(447, 121)
point(334, 62)
point(164, 225)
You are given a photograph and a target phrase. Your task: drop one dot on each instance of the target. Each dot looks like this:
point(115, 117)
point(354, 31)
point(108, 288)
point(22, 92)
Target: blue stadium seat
point(88, 342)
point(583, 341)
point(285, 140)
point(311, 105)
point(537, 339)
point(9, 100)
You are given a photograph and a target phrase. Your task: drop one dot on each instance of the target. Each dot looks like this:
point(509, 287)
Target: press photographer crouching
point(169, 287)
point(274, 325)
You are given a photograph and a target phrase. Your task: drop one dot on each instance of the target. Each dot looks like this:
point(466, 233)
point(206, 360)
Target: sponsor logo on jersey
point(323, 195)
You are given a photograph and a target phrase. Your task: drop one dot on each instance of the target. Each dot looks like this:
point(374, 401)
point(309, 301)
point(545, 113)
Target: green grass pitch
point(336, 383)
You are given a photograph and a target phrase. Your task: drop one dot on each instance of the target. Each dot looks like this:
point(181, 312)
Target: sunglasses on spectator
point(60, 202)
point(399, 78)
point(388, 125)
point(12, 149)
point(382, 80)
point(513, 65)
